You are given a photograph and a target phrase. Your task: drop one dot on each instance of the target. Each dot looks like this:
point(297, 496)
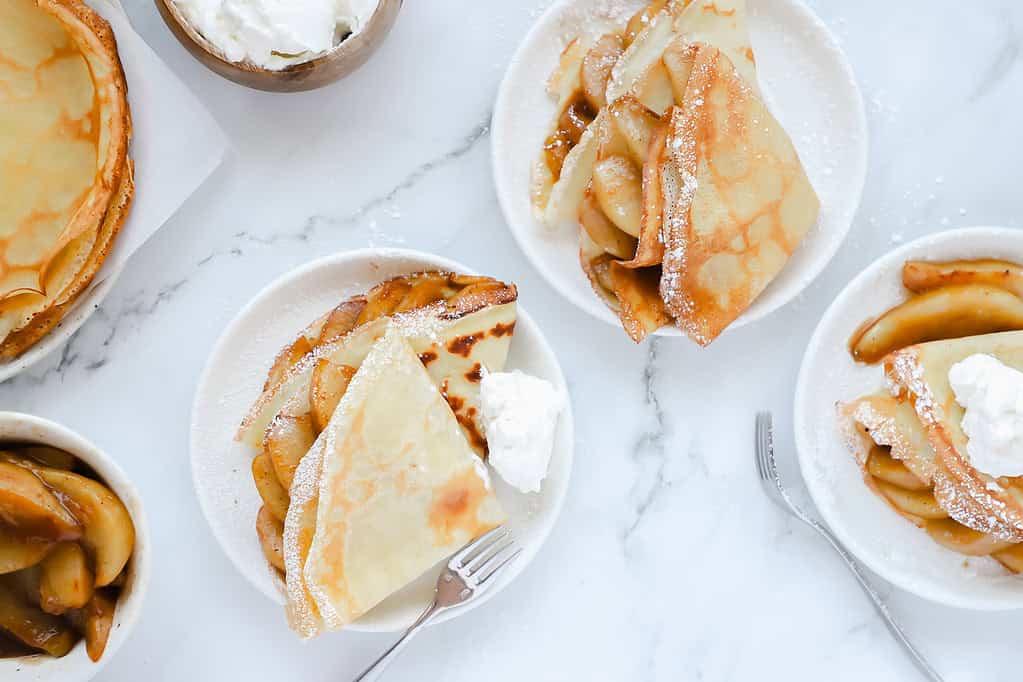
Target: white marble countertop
point(667, 563)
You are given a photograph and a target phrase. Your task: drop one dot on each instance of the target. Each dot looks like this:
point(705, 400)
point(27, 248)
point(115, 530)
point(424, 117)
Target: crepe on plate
point(911, 447)
point(389, 489)
point(459, 326)
point(689, 196)
point(64, 134)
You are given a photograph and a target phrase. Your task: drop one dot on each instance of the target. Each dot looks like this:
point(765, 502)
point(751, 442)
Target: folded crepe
point(389, 488)
point(64, 132)
point(737, 200)
point(919, 375)
point(899, 464)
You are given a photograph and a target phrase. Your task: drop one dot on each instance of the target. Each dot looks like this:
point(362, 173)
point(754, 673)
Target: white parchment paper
point(176, 146)
point(176, 142)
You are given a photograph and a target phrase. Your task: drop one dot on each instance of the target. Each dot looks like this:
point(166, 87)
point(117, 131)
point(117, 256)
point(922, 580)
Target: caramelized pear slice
point(637, 126)
point(341, 320)
point(285, 360)
point(32, 627)
point(618, 187)
point(384, 299)
point(1011, 558)
point(18, 552)
point(287, 440)
point(919, 276)
point(603, 232)
point(920, 503)
point(65, 579)
point(882, 465)
point(641, 19)
point(109, 535)
point(48, 456)
point(99, 620)
point(271, 537)
point(946, 313)
point(28, 506)
point(330, 381)
point(957, 537)
point(274, 496)
point(595, 71)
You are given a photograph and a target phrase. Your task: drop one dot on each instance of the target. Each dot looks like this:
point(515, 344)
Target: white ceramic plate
point(808, 85)
point(77, 666)
point(84, 307)
point(888, 544)
point(233, 379)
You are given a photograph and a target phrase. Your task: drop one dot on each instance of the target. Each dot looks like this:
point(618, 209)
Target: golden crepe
point(64, 132)
point(737, 200)
point(399, 489)
point(632, 167)
point(910, 446)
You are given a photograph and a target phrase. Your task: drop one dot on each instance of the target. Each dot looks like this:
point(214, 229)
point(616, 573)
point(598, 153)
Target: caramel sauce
point(574, 118)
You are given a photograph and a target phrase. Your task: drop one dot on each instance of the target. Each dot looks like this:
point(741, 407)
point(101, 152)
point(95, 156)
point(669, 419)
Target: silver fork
point(772, 485)
point(469, 574)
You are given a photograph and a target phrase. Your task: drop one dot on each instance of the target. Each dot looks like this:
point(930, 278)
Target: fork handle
point(879, 604)
point(376, 670)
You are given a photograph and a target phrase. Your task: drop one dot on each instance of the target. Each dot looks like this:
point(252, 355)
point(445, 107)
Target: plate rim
point(339, 259)
point(801, 413)
point(594, 307)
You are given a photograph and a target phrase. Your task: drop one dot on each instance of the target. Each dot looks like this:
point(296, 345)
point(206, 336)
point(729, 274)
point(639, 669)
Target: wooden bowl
point(315, 73)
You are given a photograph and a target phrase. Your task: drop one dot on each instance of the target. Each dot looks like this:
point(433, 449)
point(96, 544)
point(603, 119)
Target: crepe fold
point(689, 194)
point(65, 128)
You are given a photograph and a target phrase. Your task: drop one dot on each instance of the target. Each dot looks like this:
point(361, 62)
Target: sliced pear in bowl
point(949, 312)
point(920, 276)
point(109, 533)
point(18, 553)
point(30, 509)
point(330, 381)
point(882, 465)
point(32, 627)
point(65, 579)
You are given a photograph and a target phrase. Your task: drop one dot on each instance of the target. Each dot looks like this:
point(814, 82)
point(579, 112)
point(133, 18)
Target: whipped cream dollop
point(992, 395)
point(520, 414)
point(275, 34)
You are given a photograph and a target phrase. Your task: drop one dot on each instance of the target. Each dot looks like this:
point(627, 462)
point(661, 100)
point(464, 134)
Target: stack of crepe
point(689, 196)
point(371, 445)
point(913, 451)
point(64, 166)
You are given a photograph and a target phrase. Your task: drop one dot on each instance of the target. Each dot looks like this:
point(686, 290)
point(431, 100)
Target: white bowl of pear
point(74, 560)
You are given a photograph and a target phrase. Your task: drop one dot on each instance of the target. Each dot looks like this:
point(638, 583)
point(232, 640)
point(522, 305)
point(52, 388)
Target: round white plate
point(808, 85)
point(233, 379)
point(889, 545)
point(83, 308)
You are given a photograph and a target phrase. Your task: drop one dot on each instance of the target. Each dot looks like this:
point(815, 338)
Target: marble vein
point(648, 452)
point(1004, 60)
point(409, 182)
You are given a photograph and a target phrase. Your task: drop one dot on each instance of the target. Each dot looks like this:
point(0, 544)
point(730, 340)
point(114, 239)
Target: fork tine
point(763, 443)
point(486, 556)
point(477, 547)
point(507, 559)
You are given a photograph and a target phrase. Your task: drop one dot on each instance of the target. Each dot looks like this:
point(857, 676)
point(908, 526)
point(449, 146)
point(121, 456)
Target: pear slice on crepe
point(737, 201)
point(398, 489)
